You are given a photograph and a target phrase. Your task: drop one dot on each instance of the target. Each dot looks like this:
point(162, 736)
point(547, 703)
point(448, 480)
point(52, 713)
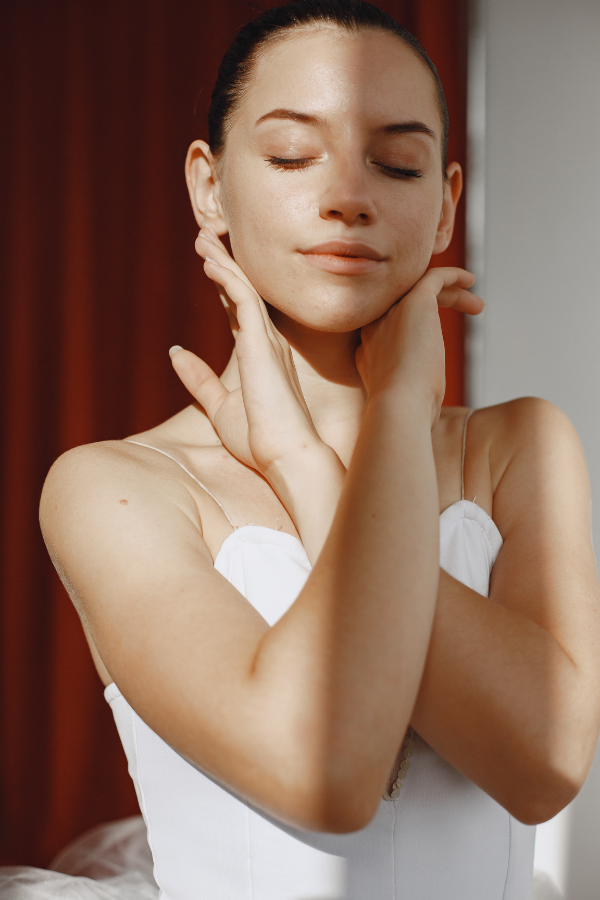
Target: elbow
point(315, 788)
point(545, 792)
point(345, 818)
point(341, 813)
point(329, 792)
point(548, 769)
point(534, 810)
point(330, 805)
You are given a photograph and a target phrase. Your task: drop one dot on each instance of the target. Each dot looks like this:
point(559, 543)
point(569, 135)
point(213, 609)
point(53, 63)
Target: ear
point(204, 187)
point(452, 190)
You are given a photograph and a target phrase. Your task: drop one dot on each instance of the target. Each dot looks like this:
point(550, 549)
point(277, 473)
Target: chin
point(334, 312)
point(336, 324)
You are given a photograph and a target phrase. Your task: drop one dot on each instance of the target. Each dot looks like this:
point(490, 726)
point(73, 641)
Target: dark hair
point(236, 67)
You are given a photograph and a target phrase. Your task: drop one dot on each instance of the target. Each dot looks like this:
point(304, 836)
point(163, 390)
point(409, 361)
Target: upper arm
point(176, 637)
point(546, 568)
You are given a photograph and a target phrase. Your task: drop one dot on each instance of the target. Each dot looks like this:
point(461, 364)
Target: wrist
point(310, 463)
point(403, 403)
point(309, 484)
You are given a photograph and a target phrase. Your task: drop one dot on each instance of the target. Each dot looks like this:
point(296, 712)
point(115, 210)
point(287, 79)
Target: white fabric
point(442, 839)
point(109, 862)
point(544, 888)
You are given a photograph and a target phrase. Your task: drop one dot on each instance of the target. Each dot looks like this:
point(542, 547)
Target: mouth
point(344, 257)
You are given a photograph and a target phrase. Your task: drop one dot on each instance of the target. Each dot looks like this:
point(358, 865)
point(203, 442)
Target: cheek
point(415, 220)
point(266, 221)
point(261, 221)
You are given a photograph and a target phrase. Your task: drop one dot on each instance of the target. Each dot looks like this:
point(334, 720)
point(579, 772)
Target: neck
point(329, 379)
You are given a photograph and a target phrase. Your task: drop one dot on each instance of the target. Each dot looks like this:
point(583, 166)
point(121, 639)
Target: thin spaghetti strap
point(203, 486)
point(464, 448)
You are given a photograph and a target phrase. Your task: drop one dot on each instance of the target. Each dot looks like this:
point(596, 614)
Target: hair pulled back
point(236, 67)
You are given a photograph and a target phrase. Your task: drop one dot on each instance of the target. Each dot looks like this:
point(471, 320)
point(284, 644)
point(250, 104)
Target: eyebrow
point(307, 119)
point(408, 128)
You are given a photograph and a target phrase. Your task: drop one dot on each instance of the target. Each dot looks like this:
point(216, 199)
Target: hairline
point(291, 31)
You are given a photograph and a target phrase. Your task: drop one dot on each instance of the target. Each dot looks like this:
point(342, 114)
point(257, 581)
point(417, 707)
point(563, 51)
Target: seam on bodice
point(249, 841)
point(510, 826)
point(143, 797)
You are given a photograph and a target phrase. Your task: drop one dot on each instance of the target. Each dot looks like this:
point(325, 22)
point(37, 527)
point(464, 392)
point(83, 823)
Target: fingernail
point(206, 236)
point(213, 261)
point(175, 349)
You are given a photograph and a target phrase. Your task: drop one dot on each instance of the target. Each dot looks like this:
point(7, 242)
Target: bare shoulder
point(513, 425)
point(103, 475)
point(519, 418)
point(95, 479)
point(528, 433)
point(89, 462)
point(540, 482)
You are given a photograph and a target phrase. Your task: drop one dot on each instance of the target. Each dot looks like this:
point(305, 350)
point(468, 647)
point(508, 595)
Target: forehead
point(367, 77)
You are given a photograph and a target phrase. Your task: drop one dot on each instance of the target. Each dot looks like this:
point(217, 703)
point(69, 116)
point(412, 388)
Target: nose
point(347, 197)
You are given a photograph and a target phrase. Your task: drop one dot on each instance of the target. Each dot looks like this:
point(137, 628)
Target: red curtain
point(98, 278)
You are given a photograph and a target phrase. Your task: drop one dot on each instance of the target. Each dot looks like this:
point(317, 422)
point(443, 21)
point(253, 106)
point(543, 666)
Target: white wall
point(539, 163)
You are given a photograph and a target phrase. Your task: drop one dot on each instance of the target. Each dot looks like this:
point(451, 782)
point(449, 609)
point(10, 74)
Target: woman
point(311, 707)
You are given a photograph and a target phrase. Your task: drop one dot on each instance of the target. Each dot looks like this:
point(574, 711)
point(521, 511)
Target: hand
point(266, 421)
point(405, 346)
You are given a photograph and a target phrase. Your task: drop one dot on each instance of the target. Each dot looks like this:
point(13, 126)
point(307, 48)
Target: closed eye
point(287, 164)
point(394, 172)
point(277, 162)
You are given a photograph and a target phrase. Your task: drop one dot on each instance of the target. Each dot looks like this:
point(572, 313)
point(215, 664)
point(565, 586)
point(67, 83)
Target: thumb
point(200, 380)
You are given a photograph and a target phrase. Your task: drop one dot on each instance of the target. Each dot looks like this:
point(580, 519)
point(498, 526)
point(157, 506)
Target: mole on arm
point(124, 502)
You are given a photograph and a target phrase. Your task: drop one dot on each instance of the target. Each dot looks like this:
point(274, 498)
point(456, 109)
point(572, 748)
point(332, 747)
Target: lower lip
point(343, 265)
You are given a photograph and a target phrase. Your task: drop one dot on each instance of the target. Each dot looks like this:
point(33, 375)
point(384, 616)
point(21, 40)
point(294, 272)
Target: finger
point(229, 309)
point(447, 277)
point(208, 229)
point(208, 245)
point(199, 379)
point(449, 286)
point(461, 300)
point(220, 260)
point(435, 280)
point(247, 303)
point(207, 242)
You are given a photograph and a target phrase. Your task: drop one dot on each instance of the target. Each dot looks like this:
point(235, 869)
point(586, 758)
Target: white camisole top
point(443, 838)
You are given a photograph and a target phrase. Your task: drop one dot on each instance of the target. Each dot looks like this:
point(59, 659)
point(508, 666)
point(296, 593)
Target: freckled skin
point(124, 502)
point(271, 213)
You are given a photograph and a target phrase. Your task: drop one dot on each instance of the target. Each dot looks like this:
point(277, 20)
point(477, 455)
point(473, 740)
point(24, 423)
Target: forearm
point(501, 701)
point(348, 655)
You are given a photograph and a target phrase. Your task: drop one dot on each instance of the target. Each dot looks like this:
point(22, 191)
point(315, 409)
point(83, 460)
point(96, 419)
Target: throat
point(330, 355)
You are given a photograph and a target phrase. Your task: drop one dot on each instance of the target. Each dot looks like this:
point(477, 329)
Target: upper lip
point(346, 248)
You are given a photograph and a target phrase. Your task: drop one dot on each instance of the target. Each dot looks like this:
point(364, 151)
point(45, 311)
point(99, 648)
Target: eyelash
point(288, 165)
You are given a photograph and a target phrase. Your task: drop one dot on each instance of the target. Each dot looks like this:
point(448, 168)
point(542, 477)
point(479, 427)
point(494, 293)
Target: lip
point(344, 257)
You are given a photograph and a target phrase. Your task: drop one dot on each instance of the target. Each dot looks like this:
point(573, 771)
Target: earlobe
point(452, 190)
point(203, 187)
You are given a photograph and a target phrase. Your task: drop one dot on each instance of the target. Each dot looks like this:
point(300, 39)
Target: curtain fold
point(98, 278)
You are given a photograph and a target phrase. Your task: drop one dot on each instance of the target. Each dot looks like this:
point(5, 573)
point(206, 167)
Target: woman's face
point(337, 142)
